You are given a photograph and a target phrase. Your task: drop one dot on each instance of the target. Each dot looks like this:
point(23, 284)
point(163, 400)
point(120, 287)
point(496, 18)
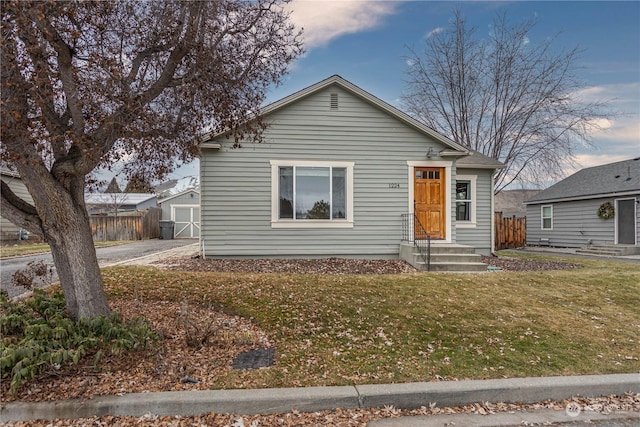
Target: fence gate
point(509, 232)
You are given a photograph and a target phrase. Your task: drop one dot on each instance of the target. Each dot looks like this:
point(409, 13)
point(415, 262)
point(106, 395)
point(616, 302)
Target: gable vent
point(333, 104)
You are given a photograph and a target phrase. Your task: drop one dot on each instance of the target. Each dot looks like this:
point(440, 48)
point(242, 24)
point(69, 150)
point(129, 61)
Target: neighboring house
point(176, 185)
point(184, 209)
point(112, 203)
point(8, 230)
point(567, 213)
point(336, 170)
point(511, 202)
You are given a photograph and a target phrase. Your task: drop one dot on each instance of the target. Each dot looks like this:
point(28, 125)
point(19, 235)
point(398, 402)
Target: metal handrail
point(414, 231)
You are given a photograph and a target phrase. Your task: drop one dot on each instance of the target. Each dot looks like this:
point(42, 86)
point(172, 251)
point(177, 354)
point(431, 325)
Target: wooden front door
point(429, 201)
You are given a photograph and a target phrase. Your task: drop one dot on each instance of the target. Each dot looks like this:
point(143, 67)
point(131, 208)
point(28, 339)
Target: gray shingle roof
point(598, 181)
point(478, 160)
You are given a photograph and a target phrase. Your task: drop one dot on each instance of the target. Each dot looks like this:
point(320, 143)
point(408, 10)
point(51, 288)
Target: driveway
point(120, 254)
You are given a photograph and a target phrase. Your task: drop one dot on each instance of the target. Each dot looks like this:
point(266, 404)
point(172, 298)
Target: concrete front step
point(599, 252)
point(444, 257)
point(448, 248)
point(610, 250)
point(454, 267)
point(451, 257)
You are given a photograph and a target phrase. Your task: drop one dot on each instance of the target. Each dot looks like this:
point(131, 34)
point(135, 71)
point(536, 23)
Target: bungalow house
point(594, 206)
point(341, 173)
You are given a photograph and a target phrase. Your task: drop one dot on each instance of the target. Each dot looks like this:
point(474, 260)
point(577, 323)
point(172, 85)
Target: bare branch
point(502, 96)
point(65, 67)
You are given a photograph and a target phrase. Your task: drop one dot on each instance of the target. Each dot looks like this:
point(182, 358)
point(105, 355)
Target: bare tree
point(86, 84)
point(503, 96)
point(139, 183)
point(113, 186)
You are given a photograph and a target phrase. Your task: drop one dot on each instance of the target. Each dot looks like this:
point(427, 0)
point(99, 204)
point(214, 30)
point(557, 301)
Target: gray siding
point(188, 198)
point(8, 230)
point(478, 236)
point(575, 224)
point(236, 183)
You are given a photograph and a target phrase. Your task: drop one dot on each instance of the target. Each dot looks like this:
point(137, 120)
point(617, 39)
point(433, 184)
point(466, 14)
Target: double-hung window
point(466, 200)
point(312, 194)
point(547, 217)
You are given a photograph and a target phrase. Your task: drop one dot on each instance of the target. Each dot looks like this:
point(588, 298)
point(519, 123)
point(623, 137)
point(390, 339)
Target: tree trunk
point(60, 216)
point(77, 265)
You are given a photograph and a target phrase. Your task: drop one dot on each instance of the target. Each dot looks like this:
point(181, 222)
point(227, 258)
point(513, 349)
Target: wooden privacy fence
point(510, 232)
point(139, 226)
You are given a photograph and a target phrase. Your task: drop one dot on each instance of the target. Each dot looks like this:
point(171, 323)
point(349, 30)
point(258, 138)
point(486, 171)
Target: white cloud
point(623, 127)
point(590, 160)
point(326, 20)
point(434, 32)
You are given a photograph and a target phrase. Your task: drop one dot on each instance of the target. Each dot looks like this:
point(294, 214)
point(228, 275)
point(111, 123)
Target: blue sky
point(367, 43)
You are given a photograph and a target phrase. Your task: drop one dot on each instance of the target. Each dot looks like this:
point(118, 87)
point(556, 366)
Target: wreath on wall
point(606, 211)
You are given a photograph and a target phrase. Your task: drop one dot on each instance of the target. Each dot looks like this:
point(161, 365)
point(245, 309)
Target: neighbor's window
point(466, 200)
point(315, 192)
point(547, 217)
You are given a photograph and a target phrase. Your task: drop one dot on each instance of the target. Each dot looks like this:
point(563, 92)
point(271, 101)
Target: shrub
point(38, 336)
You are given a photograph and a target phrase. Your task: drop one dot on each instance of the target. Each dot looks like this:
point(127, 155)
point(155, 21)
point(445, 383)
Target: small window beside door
point(463, 200)
point(466, 201)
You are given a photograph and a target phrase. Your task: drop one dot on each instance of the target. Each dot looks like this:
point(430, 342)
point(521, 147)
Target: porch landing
point(445, 257)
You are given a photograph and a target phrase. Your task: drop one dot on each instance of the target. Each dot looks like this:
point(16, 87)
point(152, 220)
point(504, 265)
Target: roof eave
point(583, 197)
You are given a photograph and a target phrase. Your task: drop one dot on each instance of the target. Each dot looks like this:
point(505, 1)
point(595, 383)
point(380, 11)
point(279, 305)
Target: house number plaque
point(394, 185)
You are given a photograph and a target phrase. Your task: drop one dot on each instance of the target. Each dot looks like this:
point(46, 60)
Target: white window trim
point(542, 217)
point(314, 223)
point(447, 165)
point(472, 223)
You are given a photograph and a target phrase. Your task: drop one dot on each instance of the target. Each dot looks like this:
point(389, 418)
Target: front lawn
point(355, 329)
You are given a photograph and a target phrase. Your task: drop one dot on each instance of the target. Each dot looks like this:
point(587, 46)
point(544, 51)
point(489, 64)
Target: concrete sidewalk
point(311, 399)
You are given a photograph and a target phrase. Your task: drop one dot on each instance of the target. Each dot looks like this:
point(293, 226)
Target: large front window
point(312, 192)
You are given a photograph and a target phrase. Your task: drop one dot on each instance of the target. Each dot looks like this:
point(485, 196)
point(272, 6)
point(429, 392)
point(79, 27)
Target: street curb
point(311, 399)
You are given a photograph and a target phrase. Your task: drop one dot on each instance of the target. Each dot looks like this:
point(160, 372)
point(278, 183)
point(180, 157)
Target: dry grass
point(354, 329)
